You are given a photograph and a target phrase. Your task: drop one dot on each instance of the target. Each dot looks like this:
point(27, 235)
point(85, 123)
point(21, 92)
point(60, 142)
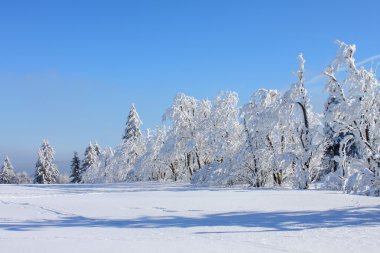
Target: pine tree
point(132, 130)
point(75, 169)
point(127, 153)
point(46, 170)
point(7, 174)
point(90, 157)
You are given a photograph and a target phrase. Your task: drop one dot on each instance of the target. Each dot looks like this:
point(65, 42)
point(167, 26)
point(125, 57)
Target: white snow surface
point(156, 217)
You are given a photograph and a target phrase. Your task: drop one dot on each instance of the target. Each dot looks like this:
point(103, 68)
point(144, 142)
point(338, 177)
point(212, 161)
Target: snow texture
point(156, 217)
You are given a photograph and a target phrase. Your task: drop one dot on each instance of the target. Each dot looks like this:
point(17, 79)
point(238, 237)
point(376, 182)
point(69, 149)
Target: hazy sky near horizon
point(69, 70)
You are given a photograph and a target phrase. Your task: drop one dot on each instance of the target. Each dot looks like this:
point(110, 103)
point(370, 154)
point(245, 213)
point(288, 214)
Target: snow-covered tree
point(90, 156)
point(257, 165)
point(90, 162)
point(184, 151)
point(222, 135)
point(46, 170)
point(305, 145)
point(352, 120)
point(133, 142)
point(150, 166)
point(132, 130)
point(125, 155)
point(23, 178)
point(115, 165)
point(102, 170)
point(105, 161)
point(223, 129)
point(75, 169)
point(7, 174)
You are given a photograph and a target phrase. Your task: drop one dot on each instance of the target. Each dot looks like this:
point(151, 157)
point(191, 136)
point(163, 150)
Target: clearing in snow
point(154, 217)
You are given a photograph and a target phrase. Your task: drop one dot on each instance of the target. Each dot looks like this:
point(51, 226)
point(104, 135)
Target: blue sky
point(69, 70)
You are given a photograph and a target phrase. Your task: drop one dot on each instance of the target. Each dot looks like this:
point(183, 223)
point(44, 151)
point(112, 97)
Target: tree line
point(276, 139)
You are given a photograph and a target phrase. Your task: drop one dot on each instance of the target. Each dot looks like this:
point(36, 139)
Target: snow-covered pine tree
point(132, 129)
point(127, 153)
point(101, 171)
point(75, 169)
point(90, 158)
point(46, 170)
point(7, 174)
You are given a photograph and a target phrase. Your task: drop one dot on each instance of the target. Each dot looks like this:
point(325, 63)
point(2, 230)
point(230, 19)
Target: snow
point(157, 217)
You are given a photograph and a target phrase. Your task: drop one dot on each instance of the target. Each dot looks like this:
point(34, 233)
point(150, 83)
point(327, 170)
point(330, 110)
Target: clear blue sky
point(69, 70)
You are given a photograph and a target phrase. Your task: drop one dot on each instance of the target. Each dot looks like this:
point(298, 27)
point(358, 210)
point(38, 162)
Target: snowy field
point(152, 217)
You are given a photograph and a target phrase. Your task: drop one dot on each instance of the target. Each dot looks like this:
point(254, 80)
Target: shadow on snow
point(259, 221)
point(137, 187)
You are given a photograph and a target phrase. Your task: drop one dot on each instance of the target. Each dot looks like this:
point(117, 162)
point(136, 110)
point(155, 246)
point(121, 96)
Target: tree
point(222, 128)
point(127, 153)
point(89, 162)
point(46, 171)
point(7, 174)
point(23, 178)
point(101, 170)
point(111, 165)
point(184, 151)
point(352, 121)
point(133, 145)
point(106, 162)
point(303, 125)
point(220, 138)
point(132, 130)
point(258, 165)
point(149, 165)
point(75, 169)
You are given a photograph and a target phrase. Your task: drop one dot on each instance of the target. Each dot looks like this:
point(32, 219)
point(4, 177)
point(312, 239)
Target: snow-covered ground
point(150, 217)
